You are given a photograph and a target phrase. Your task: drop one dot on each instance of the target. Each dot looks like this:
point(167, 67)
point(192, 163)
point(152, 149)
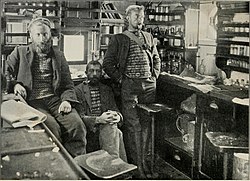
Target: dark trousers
point(68, 128)
point(136, 91)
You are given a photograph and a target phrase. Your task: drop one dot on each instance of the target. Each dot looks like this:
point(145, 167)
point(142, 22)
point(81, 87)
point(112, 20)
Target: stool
point(102, 165)
point(151, 110)
point(227, 143)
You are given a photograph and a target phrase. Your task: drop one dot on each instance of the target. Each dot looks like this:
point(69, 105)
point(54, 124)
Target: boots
point(134, 152)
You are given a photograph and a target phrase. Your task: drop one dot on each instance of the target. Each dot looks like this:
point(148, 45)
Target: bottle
point(202, 67)
point(180, 63)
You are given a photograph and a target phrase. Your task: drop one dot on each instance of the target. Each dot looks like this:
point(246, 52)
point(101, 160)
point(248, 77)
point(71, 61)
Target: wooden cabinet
point(232, 51)
point(174, 27)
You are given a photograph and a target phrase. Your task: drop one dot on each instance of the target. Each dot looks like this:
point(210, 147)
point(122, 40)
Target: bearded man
point(41, 75)
point(100, 114)
point(132, 61)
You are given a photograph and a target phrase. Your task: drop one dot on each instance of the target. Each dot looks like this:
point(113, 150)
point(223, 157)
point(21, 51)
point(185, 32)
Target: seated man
point(98, 110)
point(40, 74)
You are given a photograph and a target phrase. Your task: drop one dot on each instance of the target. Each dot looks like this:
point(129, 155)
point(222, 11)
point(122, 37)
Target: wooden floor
point(167, 172)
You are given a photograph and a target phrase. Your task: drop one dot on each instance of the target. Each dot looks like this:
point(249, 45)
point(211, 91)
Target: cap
point(133, 7)
point(41, 20)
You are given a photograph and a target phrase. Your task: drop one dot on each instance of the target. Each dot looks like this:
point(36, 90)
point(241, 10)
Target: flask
point(202, 67)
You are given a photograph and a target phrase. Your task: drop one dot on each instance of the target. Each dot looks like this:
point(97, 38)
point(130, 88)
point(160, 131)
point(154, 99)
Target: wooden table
point(36, 154)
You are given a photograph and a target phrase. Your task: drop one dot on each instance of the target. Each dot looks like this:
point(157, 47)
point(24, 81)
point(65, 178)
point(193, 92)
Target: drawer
point(179, 159)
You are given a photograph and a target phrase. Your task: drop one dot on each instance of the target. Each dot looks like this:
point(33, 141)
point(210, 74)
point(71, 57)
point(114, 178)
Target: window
point(74, 47)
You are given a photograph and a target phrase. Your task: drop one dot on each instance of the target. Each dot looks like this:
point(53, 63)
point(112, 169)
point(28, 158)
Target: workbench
point(215, 111)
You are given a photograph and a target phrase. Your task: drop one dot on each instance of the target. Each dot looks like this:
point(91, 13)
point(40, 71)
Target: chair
point(102, 165)
point(151, 110)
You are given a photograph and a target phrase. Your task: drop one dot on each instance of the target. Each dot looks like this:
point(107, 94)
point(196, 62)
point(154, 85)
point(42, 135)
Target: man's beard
point(139, 26)
point(94, 81)
point(44, 47)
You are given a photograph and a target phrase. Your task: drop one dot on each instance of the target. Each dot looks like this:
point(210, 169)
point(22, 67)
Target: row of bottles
point(165, 18)
point(239, 50)
point(164, 12)
point(237, 63)
point(236, 29)
point(174, 30)
point(172, 62)
point(168, 36)
point(27, 10)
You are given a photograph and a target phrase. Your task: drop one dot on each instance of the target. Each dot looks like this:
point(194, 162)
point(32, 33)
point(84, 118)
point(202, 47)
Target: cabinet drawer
point(179, 159)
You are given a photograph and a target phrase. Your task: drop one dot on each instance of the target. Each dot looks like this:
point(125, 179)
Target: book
point(19, 114)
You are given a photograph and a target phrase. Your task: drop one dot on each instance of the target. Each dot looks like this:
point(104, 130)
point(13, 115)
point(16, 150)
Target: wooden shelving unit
point(169, 23)
point(232, 52)
point(16, 17)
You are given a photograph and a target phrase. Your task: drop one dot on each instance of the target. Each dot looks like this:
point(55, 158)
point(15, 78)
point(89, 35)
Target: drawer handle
point(213, 105)
point(177, 157)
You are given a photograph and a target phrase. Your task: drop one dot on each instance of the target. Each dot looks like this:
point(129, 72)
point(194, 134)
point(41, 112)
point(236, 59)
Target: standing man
point(133, 62)
point(41, 76)
point(99, 112)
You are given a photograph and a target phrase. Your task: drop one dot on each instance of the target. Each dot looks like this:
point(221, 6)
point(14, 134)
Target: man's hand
point(108, 117)
point(65, 107)
point(18, 89)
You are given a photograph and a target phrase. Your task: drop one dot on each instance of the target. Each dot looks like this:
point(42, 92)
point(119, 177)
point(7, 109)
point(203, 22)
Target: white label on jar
point(177, 42)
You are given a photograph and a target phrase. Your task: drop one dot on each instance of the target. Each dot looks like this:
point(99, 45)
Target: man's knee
point(76, 121)
point(54, 127)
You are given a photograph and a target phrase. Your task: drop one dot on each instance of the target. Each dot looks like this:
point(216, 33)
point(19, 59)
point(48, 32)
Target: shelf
point(79, 29)
point(111, 21)
point(164, 23)
point(23, 17)
point(167, 14)
point(178, 143)
point(80, 9)
point(239, 69)
point(178, 49)
point(232, 34)
point(16, 34)
point(16, 7)
point(234, 25)
point(224, 12)
point(237, 57)
point(171, 36)
point(230, 42)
